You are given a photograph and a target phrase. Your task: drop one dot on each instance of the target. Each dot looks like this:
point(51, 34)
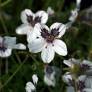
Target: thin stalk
point(10, 78)
point(6, 66)
point(5, 3)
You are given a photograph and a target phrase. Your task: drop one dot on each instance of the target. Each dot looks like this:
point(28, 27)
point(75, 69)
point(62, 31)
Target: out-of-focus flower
point(47, 41)
point(35, 78)
point(49, 76)
point(50, 11)
point(29, 19)
point(7, 44)
point(83, 83)
point(82, 67)
point(80, 82)
point(30, 87)
point(73, 16)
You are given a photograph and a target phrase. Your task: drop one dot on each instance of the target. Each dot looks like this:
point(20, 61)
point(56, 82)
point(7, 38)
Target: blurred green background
point(18, 69)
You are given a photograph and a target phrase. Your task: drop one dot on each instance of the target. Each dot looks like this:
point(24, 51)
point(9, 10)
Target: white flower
point(74, 14)
point(29, 19)
point(50, 11)
point(30, 87)
point(47, 41)
point(35, 78)
point(78, 3)
point(80, 82)
point(49, 77)
point(7, 44)
point(84, 66)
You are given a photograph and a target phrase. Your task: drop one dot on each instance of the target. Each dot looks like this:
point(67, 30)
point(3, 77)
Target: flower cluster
point(47, 40)
point(40, 37)
point(79, 78)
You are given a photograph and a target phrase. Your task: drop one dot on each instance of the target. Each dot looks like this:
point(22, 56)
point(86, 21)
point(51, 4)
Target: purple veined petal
point(67, 77)
point(43, 16)
point(37, 45)
point(60, 47)
point(47, 54)
point(5, 53)
point(50, 81)
point(58, 28)
point(24, 15)
point(24, 29)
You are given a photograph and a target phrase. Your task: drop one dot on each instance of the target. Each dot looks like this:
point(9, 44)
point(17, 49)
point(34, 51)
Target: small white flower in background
point(78, 4)
point(29, 87)
point(49, 77)
point(47, 41)
point(35, 78)
point(73, 16)
point(29, 19)
point(7, 44)
point(50, 11)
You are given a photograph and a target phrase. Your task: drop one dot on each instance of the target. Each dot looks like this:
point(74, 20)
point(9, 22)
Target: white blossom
point(7, 44)
point(50, 11)
point(29, 19)
point(49, 77)
point(84, 66)
point(47, 41)
point(35, 78)
point(30, 87)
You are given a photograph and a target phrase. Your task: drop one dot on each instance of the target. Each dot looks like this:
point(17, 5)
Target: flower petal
point(5, 53)
point(87, 90)
point(61, 28)
point(25, 14)
point(24, 29)
point(29, 87)
point(1, 39)
point(35, 33)
point(35, 78)
point(60, 47)
point(36, 45)
point(43, 15)
point(67, 77)
point(19, 46)
point(70, 89)
point(47, 54)
point(49, 81)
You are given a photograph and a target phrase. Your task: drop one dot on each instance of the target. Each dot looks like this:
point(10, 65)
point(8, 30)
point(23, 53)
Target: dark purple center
point(84, 67)
point(49, 37)
point(2, 46)
point(81, 85)
point(33, 21)
point(49, 69)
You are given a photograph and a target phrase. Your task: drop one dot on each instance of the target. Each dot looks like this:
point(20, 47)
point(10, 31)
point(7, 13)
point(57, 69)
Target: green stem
point(5, 3)
point(10, 78)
